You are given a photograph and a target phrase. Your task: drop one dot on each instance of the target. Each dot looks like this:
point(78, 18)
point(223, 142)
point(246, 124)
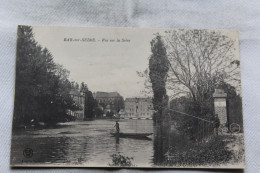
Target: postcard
point(127, 97)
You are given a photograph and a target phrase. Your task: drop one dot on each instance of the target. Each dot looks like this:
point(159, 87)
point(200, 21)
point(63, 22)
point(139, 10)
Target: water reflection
point(167, 140)
point(86, 143)
point(117, 139)
point(91, 144)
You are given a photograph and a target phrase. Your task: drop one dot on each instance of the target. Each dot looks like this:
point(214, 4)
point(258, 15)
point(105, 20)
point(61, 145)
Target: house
point(79, 99)
point(139, 108)
point(109, 101)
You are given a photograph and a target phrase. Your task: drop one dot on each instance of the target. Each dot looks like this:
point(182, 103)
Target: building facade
point(109, 101)
point(139, 108)
point(79, 99)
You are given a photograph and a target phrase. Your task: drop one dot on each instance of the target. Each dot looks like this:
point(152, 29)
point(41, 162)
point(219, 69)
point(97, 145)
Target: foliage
point(190, 125)
point(75, 85)
point(90, 105)
point(200, 60)
point(109, 106)
point(158, 68)
point(83, 87)
point(90, 102)
point(214, 152)
point(42, 87)
point(109, 114)
point(119, 104)
point(120, 160)
point(193, 63)
point(98, 112)
point(196, 62)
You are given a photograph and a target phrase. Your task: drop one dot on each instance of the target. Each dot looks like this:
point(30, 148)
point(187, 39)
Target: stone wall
point(220, 106)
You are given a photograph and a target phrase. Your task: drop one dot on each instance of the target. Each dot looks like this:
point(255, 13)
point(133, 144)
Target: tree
point(119, 104)
point(189, 125)
point(90, 105)
point(98, 111)
point(58, 100)
point(192, 63)
point(34, 66)
point(109, 114)
point(76, 86)
point(42, 87)
point(200, 61)
point(158, 69)
point(83, 87)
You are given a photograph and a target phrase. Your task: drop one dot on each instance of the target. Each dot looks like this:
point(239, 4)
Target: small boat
point(131, 135)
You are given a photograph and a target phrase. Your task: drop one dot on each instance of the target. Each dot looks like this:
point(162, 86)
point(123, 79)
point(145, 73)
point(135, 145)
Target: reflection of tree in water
point(50, 150)
point(60, 150)
point(161, 143)
point(159, 148)
point(167, 141)
point(117, 140)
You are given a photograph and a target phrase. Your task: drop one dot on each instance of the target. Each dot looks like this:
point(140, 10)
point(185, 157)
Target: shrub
point(120, 160)
point(214, 152)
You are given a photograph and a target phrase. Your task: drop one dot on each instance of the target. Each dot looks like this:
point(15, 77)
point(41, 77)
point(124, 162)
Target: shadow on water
point(117, 139)
point(91, 143)
point(167, 140)
point(53, 150)
point(78, 143)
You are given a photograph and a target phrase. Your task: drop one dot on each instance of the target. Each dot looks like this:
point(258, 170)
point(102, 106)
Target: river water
point(89, 143)
point(85, 143)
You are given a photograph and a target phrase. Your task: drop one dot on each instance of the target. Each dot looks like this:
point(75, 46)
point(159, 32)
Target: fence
point(203, 130)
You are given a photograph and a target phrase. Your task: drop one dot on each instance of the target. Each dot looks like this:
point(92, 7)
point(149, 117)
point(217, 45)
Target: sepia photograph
point(127, 97)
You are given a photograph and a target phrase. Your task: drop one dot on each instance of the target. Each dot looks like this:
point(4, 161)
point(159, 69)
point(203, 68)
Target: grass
point(220, 150)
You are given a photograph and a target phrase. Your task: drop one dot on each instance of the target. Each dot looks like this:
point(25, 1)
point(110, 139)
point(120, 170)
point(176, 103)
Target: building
point(79, 100)
point(109, 101)
point(122, 113)
point(139, 108)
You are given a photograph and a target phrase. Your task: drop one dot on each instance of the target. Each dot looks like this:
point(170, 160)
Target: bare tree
point(199, 61)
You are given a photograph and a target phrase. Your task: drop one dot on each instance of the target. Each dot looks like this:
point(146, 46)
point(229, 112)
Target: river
point(89, 143)
point(86, 143)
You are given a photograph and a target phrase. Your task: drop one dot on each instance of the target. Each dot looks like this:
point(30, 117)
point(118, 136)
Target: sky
point(103, 64)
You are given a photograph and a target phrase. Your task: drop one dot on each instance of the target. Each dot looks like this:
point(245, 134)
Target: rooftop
point(100, 94)
point(136, 99)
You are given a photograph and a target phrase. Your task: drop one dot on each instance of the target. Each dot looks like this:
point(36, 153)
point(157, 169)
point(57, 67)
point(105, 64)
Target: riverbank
point(222, 150)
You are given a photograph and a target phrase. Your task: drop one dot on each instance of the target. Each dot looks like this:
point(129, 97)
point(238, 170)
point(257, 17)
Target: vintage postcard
point(127, 97)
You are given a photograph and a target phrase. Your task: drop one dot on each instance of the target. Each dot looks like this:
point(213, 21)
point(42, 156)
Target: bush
point(120, 160)
point(214, 152)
